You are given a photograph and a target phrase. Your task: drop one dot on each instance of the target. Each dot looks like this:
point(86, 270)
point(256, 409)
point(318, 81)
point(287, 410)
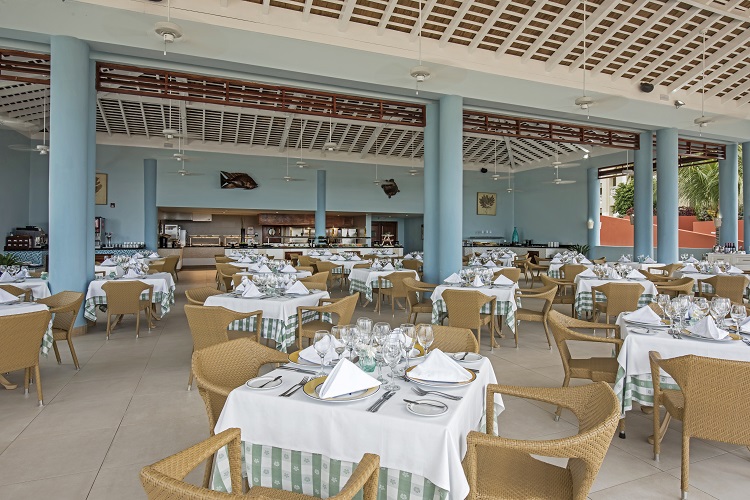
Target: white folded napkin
point(7, 296)
point(623, 259)
point(707, 328)
point(556, 260)
point(336, 257)
point(477, 282)
point(356, 257)
point(649, 260)
point(254, 267)
point(503, 280)
point(439, 367)
point(264, 269)
point(587, 273)
point(288, 269)
point(388, 267)
point(298, 288)
point(119, 271)
point(137, 255)
point(453, 278)
point(585, 261)
point(643, 315)
point(251, 291)
point(313, 253)
point(408, 257)
point(108, 262)
point(132, 273)
point(243, 284)
point(246, 260)
point(692, 260)
point(614, 275)
point(345, 378)
point(689, 268)
point(489, 263)
point(734, 270)
point(311, 355)
point(154, 255)
point(507, 255)
point(557, 255)
point(745, 325)
point(327, 252)
point(419, 257)
point(636, 275)
point(716, 270)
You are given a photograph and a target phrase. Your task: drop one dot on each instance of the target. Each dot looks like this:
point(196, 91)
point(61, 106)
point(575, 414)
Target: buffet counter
point(741, 260)
point(541, 251)
point(283, 252)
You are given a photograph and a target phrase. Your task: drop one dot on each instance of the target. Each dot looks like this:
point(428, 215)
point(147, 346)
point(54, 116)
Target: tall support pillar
point(729, 196)
point(450, 189)
point(69, 195)
point(643, 180)
point(746, 193)
point(667, 196)
point(320, 212)
point(91, 175)
point(594, 202)
point(431, 244)
point(151, 222)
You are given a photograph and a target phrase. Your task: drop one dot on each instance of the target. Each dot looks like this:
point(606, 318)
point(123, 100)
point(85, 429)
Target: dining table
point(706, 288)
point(583, 302)
point(298, 274)
point(555, 272)
point(309, 446)
point(38, 286)
point(507, 301)
point(279, 314)
point(362, 280)
point(163, 296)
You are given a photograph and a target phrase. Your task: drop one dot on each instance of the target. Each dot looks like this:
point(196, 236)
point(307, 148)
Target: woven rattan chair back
point(621, 297)
point(221, 259)
point(731, 287)
point(412, 291)
point(208, 324)
point(363, 265)
point(304, 260)
point(412, 264)
point(512, 273)
point(667, 270)
point(397, 280)
point(561, 326)
point(318, 281)
point(22, 293)
point(20, 338)
point(463, 307)
point(237, 279)
point(225, 272)
point(156, 267)
point(343, 309)
point(677, 287)
point(170, 265)
point(65, 307)
point(309, 269)
point(654, 277)
point(452, 339)
point(570, 271)
point(124, 297)
point(198, 296)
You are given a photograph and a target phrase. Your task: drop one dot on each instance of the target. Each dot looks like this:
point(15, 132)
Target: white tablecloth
point(429, 447)
point(298, 274)
point(503, 294)
point(368, 276)
point(585, 285)
point(163, 293)
point(555, 267)
point(39, 287)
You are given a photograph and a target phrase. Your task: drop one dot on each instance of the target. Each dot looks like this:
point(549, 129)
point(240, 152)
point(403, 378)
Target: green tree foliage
point(624, 197)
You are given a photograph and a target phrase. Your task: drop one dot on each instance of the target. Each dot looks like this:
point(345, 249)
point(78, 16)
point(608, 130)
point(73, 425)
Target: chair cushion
point(311, 327)
point(596, 369)
point(674, 402)
point(529, 315)
point(508, 474)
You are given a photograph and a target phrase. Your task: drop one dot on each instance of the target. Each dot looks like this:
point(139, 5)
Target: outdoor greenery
point(583, 249)
point(8, 260)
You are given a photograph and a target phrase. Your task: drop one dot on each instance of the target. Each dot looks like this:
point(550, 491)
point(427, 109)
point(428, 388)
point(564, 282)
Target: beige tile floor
point(128, 407)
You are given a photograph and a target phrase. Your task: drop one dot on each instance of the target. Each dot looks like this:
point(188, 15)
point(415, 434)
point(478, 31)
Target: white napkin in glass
point(489, 263)
point(311, 355)
point(264, 269)
point(345, 378)
point(503, 280)
point(137, 255)
point(439, 367)
point(246, 260)
point(707, 328)
point(734, 270)
point(556, 260)
point(623, 259)
point(649, 260)
point(243, 284)
point(251, 291)
point(298, 288)
point(477, 282)
point(557, 255)
point(132, 273)
point(154, 255)
point(288, 269)
point(453, 278)
point(636, 275)
point(388, 267)
point(692, 260)
point(356, 257)
point(7, 296)
point(643, 315)
point(689, 268)
point(587, 273)
point(108, 262)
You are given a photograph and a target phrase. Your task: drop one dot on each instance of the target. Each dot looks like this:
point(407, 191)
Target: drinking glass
point(391, 352)
point(365, 325)
point(409, 339)
point(426, 337)
point(684, 303)
point(671, 310)
point(662, 300)
point(738, 313)
point(701, 305)
point(380, 333)
point(322, 344)
point(341, 333)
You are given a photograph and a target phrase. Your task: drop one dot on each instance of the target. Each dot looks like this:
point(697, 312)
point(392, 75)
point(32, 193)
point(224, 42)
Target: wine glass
point(738, 313)
point(365, 325)
point(380, 333)
point(391, 352)
point(671, 310)
point(426, 337)
point(662, 300)
point(322, 344)
point(409, 339)
point(701, 305)
point(684, 303)
point(342, 333)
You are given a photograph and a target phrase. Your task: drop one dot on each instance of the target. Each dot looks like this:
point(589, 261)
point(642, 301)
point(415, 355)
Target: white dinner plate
point(689, 335)
point(641, 331)
point(312, 390)
point(427, 407)
point(471, 357)
point(257, 382)
point(644, 325)
point(443, 385)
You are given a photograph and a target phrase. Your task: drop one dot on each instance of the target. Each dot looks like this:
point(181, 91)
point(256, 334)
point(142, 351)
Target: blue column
point(450, 190)
point(431, 244)
point(91, 174)
point(320, 212)
point(150, 223)
point(68, 165)
point(594, 202)
point(643, 179)
point(667, 196)
point(729, 195)
point(746, 193)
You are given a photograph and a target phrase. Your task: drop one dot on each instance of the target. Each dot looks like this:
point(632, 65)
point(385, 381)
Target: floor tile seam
point(641, 478)
point(56, 476)
point(627, 482)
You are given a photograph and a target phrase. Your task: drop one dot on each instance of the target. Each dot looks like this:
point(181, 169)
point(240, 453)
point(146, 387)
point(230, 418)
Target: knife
point(380, 402)
point(442, 407)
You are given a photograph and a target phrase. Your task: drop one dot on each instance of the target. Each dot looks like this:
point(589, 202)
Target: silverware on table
point(423, 403)
point(374, 408)
point(294, 388)
point(266, 383)
point(421, 392)
point(295, 369)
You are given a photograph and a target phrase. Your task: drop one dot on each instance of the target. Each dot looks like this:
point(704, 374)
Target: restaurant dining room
point(374, 249)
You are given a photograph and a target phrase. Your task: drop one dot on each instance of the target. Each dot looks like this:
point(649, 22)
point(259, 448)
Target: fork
point(294, 388)
point(422, 392)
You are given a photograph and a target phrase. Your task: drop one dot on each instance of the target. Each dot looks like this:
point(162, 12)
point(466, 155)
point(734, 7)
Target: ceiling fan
point(557, 180)
point(330, 145)
point(584, 102)
point(168, 31)
point(287, 177)
point(43, 148)
point(703, 120)
point(558, 164)
point(7, 121)
point(420, 72)
point(414, 171)
point(183, 171)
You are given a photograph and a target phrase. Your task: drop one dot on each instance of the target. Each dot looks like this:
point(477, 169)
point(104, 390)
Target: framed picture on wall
point(100, 189)
point(486, 203)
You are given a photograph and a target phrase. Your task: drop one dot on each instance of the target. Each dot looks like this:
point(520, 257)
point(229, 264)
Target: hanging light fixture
point(703, 120)
point(377, 179)
point(330, 146)
point(414, 170)
point(584, 102)
point(167, 30)
point(495, 175)
point(420, 72)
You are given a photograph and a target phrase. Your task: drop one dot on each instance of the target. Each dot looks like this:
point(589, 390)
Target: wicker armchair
point(464, 311)
point(655, 278)
point(731, 287)
point(23, 294)
point(570, 271)
point(621, 297)
point(343, 308)
point(397, 291)
point(413, 265)
point(502, 468)
point(545, 293)
point(712, 402)
point(65, 307)
point(317, 281)
point(601, 261)
point(539, 269)
point(304, 260)
point(209, 325)
point(667, 270)
point(676, 287)
point(222, 259)
point(20, 338)
point(522, 263)
point(158, 266)
point(566, 291)
point(512, 273)
point(124, 297)
point(335, 272)
point(224, 272)
point(170, 265)
point(413, 289)
point(309, 269)
point(452, 339)
point(198, 296)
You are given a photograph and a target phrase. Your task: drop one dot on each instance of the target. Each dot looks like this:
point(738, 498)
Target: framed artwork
point(100, 189)
point(486, 203)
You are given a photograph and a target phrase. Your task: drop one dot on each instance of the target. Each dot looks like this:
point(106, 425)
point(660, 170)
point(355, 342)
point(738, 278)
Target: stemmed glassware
point(426, 337)
point(684, 303)
point(364, 325)
point(391, 352)
point(662, 300)
point(671, 310)
point(738, 314)
point(720, 307)
point(322, 344)
point(409, 339)
point(700, 304)
point(380, 332)
point(339, 332)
